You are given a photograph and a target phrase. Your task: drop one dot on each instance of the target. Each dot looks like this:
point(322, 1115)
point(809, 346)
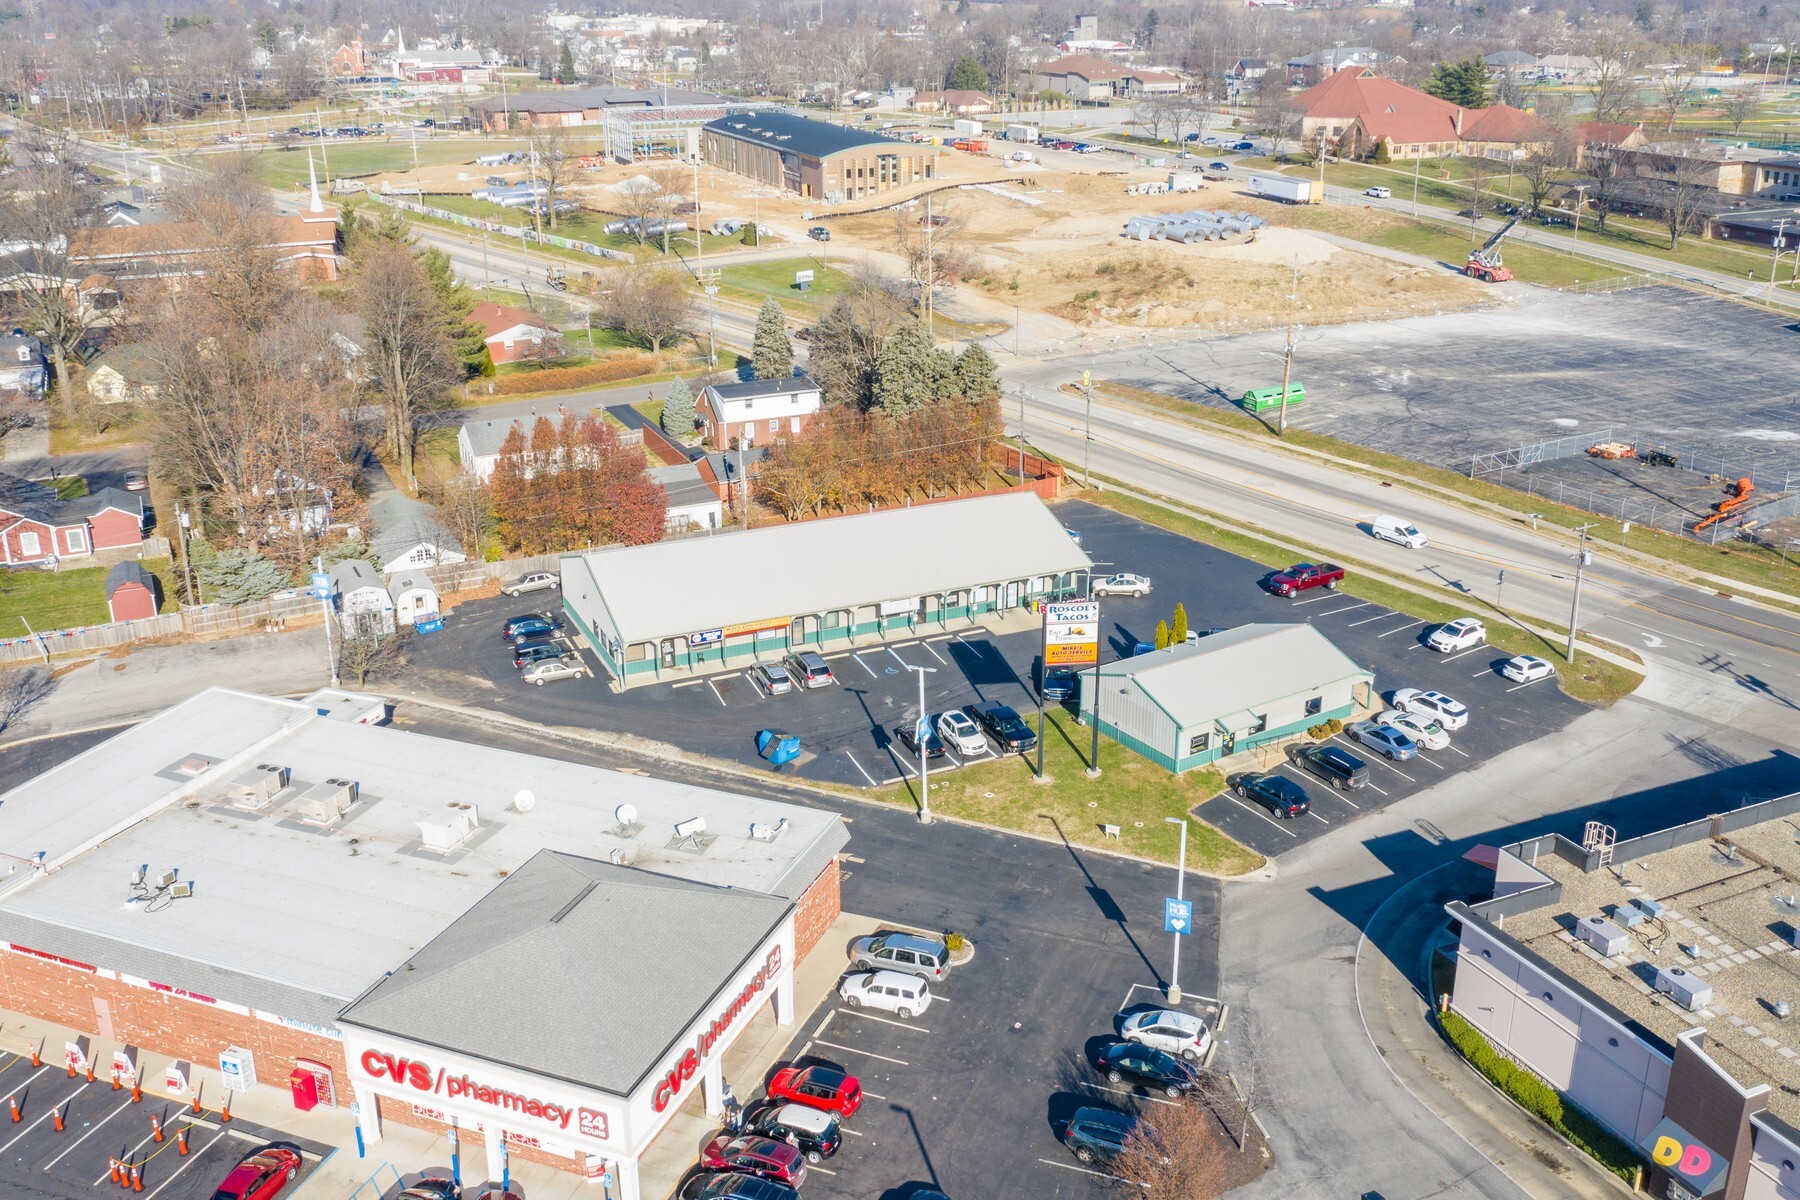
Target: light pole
point(325, 609)
point(1581, 560)
point(1287, 357)
point(1174, 992)
point(1087, 430)
point(1580, 203)
point(922, 731)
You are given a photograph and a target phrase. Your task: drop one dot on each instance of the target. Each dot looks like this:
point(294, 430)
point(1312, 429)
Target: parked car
point(809, 669)
point(1121, 585)
point(816, 1133)
point(1145, 1065)
point(528, 631)
point(1387, 740)
point(1277, 793)
point(259, 1176)
point(549, 670)
point(432, 1187)
point(819, 233)
point(510, 628)
point(536, 581)
point(907, 734)
point(1097, 1134)
point(772, 679)
point(1058, 685)
point(763, 1157)
point(1464, 633)
point(1304, 576)
point(958, 730)
point(818, 1087)
point(1169, 1031)
point(738, 1186)
point(1006, 727)
point(1526, 668)
point(1335, 765)
point(908, 952)
point(1417, 726)
point(1244, 146)
point(906, 996)
point(137, 481)
point(1380, 193)
point(535, 651)
point(1441, 708)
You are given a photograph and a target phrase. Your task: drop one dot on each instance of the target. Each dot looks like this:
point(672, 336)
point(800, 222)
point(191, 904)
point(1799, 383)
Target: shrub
point(954, 942)
point(1326, 729)
point(1084, 297)
point(557, 379)
point(1380, 154)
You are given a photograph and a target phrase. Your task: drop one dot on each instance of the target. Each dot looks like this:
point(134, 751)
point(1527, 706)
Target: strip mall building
point(368, 912)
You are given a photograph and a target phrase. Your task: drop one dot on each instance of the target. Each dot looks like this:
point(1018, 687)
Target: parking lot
point(100, 1125)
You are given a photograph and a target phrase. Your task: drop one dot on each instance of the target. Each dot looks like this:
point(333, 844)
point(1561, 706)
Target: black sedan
point(536, 650)
point(907, 733)
point(1277, 793)
point(1152, 1068)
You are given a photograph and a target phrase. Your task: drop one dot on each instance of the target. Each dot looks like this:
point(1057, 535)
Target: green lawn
point(68, 598)
point(1528, 263)
point(755, 282)
point(651, 411)
point(285, 170)
point(1132, 792)
point(69, 487)
point(583, 226)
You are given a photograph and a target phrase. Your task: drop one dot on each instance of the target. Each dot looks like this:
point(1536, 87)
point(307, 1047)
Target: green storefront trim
point(1179, 763)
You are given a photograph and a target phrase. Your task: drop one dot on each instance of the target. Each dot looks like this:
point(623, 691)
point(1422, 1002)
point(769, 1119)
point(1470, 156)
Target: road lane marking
point(884, 1058)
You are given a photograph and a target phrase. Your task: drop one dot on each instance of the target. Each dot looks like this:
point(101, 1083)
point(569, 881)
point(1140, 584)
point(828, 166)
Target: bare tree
point(364, 655)
point(552, 163)
point(1690, 177)
point(1612, 44)
point(1479, 171)
point(652, 306)
point(466, 507)
point(1676, 85)
point(933, 246)
point(1604, 191)
point(1279, 123)
point(1156, 111)
point(48, 208)
point(1740, 107)
point(1538, 174)
point(407, 348)
point(1176, 1152)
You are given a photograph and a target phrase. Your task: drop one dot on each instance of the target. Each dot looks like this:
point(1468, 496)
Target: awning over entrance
point(1237, 722)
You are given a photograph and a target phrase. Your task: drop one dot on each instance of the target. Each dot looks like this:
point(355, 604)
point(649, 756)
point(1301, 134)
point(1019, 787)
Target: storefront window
point(1199, 742)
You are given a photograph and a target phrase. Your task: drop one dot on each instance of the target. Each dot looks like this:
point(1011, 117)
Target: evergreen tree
point(837, 360)
point(678, 409)
point(1162, 635)
point(234, 576)
point(906, 371)
point(457, 302)
point(977, 376)
point(1178, 626)
point(565, 65)
point(1464, 83)
point(351, 546)
point(771, 353)
point(968, 75)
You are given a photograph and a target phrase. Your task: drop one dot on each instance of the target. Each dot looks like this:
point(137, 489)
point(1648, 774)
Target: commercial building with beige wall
point(814, 158)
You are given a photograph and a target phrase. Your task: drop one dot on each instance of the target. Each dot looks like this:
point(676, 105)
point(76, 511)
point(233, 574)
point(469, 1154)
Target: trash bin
point(778, 747)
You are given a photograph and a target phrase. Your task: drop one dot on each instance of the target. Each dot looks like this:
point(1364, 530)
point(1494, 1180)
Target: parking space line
point(1401, 629)
point(1452, 747)
point(1377, 788)
point(873, 1096)
point(1483, 671)
point(1145, 987)
point(1378, 759)
point(1254, 813)
point(1346, 799)
point(817, 1170)
point(859, 768)
point(1526, 684)
point(865, 666)
point(1426, 758)
point(900, 761)
point(825, 1022)
point(898, 659)
point(908, 1025)
point(42, 1119)
point(1314, 600)
point(884, 1058)
point(1371, 620)
point(716, 695)
point(853, 1132)
point(1347, 608)
point(934, 653)
point(686, 683)
point(91, 1130)
point(1315, 816)
point(1466, 653)
point(1096, 1174)
point(1101, 1087)
point(191, 1160)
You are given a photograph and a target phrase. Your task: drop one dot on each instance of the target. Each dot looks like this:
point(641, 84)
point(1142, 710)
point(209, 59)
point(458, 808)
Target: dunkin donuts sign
point(688, 1065)
point(1685, 1156)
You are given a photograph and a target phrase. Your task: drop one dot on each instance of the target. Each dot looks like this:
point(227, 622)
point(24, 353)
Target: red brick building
point(757, 412)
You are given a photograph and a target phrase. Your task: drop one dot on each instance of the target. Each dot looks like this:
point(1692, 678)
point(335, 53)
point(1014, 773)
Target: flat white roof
point(325, 911)
point(698, 584)
point(1236, 670)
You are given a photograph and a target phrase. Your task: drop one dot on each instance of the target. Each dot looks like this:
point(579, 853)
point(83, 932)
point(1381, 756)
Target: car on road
point(738, 1186)
point(809, 669)
point(1146, 1065)
point(1218, 166)
point(550, 670)
point(1446, 711)
point(1303, 577)
point(1209, 140)
point(763, 1157)
point(1244, 146)
point(907, 734)
point(1277, 793)
point(958, 730)
point(1386, 740)
point(816, 1133)
point(818, 1087)
point(771, 679)
point(1397, 530)
point(819, 233)
point(928, 958)
point(1169, 1031)
point(259, 1176)
point(137, 481)
point(1526, 668)
point(1121, 585)
point(535, 651)
point(1417, 726)
point(536, 581)
point(1464, 633)
point(1059, 684)
point(1098, 1134)
point(1335, 765)
point(1380, 193)
point(1006, 727)
point(510, 628)
point(906, 996)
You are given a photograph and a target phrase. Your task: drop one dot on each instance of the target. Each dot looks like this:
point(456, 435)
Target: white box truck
point(1027, 134)
point(1184, 181)
point(967, 128)
point(1285, 189)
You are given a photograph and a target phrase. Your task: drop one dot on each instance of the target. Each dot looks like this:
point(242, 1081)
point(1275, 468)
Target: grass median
point(1132, 792)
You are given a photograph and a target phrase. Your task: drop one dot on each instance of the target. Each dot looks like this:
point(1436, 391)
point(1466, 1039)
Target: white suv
point(1461, 634)
point(1439, 707)
point(1169, 1031)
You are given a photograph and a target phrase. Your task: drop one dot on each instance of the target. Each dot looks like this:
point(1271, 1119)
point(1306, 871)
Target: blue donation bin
point(778, 747)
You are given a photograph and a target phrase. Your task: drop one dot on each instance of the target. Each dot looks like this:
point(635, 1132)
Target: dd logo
point(1695, 1165)
point(1690, 1160)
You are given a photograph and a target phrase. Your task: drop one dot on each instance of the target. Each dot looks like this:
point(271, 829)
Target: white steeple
point(312, 175)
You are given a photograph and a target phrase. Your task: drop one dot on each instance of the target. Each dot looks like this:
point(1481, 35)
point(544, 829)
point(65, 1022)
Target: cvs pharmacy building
point(570, 1013)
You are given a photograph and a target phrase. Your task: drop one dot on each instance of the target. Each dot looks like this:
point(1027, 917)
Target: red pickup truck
point(1303, 576)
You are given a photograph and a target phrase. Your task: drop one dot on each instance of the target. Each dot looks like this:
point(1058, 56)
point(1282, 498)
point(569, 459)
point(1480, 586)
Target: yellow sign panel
point(758, 626)
point(1071, 654)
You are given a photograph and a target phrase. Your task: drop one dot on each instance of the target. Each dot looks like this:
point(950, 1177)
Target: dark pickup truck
point(1304, 576)
point(1005, 726)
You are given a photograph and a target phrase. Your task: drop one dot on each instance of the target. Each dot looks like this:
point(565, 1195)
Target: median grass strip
point(1132, 792)
point(1589, 679)
point(1542, 1101)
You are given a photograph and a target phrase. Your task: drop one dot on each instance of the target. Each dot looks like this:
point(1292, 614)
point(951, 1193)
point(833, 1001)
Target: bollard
point(155, 1127)
point(181, 1141)
point(13, 1103)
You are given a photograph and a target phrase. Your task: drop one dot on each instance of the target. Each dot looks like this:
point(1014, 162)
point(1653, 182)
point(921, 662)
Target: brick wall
point(818, 908)
point(157, 1021)
point(401, 1113)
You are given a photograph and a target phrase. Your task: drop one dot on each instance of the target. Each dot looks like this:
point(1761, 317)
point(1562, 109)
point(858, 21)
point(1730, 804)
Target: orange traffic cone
point(35, 1060)
point(137, 1178)
point(113, 1169)
point(155, 1127)
point(225, 1109)
point(56, 1117)
point(125, 1175)
point(115, 1079)
point(137, 1089)
point(90, 1070)
point(181, 1141)
point(196, 1108)
point(13, 1102)
point(71, 1068)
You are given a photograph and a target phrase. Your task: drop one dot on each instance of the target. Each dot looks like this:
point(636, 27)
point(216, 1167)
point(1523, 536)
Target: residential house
point(1308, 69)
point(409, 534)
point(959, 102)
point(516, 334)
point(478, 443)
point(364, 606)
point(132, 593)
point(415, 597)
point(38, 528)
point(22, 366)
point(1358, 111)
point(1191, 705)
point(306, 243)
point(1598, 137)
point(121, 376)
point(1515, 63)
point(1248, 70)
point(693, 503)
point(757, 411)
point(1082, 77)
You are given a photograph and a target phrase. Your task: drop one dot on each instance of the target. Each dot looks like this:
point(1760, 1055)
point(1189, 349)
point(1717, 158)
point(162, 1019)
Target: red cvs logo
point(400, 1070)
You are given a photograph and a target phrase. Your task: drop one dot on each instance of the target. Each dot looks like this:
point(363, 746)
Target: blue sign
point(1178, 915)
point(706, 638)
point(321, 586)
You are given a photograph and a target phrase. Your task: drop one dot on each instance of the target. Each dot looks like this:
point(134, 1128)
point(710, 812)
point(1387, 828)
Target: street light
point(1174, 992)
point(922, 731)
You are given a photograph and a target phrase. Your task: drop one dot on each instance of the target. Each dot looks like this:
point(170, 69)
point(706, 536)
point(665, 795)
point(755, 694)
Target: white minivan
point(1397, 530)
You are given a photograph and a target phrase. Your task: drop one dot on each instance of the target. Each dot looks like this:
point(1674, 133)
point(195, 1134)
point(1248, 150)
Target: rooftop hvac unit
point(1685, 989)
point(1628, 915)
point(323, 803)
point(1602, 935)
point(446, 836)
point(767, 833)
point(1652, 908)
point(256, 786)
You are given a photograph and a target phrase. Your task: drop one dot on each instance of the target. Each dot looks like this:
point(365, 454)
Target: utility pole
point(930, 271)
point(1580, 203)
point(1582, 556)
point(1287, 357)
point(1021, 435)
point(1417, 159)
point(1087, 432)
point(1015, 331)
point(181, 528)
point(325, 609)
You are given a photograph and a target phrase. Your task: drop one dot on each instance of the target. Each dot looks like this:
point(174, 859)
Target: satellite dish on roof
point(627, 814)
point(524, 801)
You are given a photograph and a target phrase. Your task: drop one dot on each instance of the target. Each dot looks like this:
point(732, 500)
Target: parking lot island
point(675, 610)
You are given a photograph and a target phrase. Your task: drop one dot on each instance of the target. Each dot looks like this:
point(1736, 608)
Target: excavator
point(1736, 494)
point(1484, 264)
